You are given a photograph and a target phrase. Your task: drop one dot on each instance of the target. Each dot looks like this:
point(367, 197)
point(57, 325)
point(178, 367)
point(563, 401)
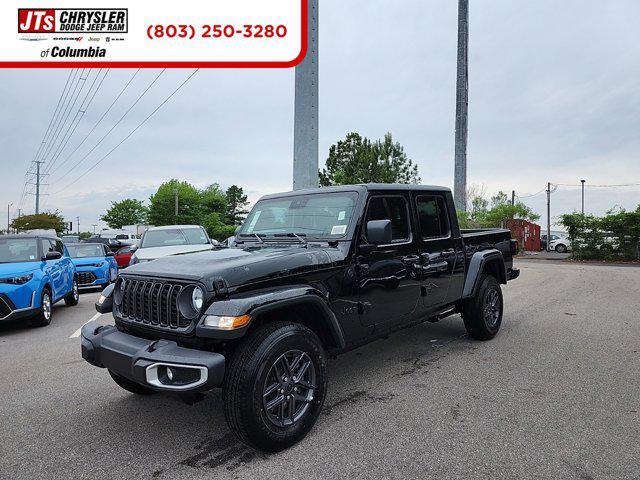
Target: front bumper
point(8, 310)
point(138, 359)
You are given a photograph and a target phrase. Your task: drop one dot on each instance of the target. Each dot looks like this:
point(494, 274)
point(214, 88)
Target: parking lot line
point(76, 334)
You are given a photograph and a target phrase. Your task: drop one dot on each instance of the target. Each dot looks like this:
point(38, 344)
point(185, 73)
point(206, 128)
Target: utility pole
point(548, 214)
point(305, 123)
point(78, 225)
point(175, 198)
point(8, 218)
point(462, 104)
point(94, 228)
point(582, 181)
point(38, 163)
point(513, 197)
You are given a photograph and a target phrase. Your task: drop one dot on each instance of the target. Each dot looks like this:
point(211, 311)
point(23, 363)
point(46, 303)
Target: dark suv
point(314, 273)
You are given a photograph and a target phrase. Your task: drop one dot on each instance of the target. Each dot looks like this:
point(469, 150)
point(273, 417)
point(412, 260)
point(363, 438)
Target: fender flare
point(262, 301)
point(478, 262)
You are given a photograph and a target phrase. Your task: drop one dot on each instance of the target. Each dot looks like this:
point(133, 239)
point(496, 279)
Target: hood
point(239, 266)
point(8, 270)
point(84, 261)
point(151, 253)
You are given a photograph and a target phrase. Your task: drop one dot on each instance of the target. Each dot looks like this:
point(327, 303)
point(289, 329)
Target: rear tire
point(482, 314)
point(275, 386)
point(73, 297)
point(131, 386)
point(43, 317)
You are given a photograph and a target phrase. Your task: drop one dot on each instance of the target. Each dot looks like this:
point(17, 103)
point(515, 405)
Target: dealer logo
point(73, 20)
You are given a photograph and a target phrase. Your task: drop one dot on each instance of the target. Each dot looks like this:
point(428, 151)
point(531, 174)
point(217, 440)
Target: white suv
point(160, 242)
point(560, 245)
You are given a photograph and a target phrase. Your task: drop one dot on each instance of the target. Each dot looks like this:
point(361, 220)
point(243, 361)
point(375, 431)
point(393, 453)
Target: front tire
point(275, 386)
point(560, 248)
point(43, 317)
point(73, 297)
point(130, 386)
point(482, 314)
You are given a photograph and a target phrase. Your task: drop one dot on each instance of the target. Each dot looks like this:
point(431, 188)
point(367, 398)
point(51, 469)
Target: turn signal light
point(226, 323)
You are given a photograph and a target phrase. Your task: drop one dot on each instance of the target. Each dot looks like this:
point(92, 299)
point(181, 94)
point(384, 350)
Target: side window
point(432, 217)
point(58, 246)
point(46, 246)
point(394, 209)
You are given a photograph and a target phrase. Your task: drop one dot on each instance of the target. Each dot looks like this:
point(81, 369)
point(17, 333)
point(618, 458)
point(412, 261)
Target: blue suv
point(35, 273)
point(95, 264)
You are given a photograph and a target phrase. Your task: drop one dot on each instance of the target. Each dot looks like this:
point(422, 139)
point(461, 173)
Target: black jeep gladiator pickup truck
point(314, 273)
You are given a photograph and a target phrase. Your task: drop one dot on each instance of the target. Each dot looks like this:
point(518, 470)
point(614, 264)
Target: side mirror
point(111, 254)
point(379, 232)
point(53, 256)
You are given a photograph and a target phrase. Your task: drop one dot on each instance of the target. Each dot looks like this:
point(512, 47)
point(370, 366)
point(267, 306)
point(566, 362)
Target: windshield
point(319, 215)
point(13, 250)
point(174, 236)
point(85, 250)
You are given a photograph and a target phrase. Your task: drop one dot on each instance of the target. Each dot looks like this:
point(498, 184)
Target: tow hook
point(152, 346)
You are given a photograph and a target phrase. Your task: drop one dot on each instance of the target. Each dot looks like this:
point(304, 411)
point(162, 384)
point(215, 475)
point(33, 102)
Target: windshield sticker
point(254, 220)
point(339, 230)
point(341, 215)
point(32, 257)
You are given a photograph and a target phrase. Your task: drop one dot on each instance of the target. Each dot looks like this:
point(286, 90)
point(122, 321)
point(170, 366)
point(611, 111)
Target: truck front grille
point(153, 303)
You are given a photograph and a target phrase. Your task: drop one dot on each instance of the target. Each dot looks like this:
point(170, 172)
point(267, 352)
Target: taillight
point(515, 247)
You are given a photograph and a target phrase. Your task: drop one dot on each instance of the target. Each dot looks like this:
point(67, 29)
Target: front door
point(389, 277)
point(436, 249)
point(53, 269)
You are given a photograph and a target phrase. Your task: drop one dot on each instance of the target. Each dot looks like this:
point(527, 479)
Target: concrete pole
point(175, 198)
point(582, 181)
point(8, 219)
point(305, 128)
point(548, 214)
point(462, 104)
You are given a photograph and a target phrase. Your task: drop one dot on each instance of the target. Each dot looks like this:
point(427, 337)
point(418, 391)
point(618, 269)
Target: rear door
point(389, 277)
point(437, 250)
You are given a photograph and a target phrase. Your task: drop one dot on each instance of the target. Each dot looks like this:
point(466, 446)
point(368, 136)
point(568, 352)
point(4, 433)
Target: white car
point(560, 245)
point(160, 242)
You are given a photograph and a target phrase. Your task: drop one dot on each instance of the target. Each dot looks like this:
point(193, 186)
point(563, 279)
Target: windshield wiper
point(298, 236)
point(255, 235)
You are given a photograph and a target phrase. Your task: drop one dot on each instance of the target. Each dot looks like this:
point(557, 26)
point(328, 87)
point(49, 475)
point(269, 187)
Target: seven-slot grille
point(152, 303)
point(86, 278)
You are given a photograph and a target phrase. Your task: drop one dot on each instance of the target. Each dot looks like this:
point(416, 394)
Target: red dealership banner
point(147, 33)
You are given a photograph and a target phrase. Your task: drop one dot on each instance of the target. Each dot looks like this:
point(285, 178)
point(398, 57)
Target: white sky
point(554, 96)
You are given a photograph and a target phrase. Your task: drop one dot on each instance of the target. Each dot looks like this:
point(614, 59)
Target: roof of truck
point(363, 188)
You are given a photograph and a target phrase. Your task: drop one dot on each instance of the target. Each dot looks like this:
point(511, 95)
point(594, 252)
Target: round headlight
point(197, 298)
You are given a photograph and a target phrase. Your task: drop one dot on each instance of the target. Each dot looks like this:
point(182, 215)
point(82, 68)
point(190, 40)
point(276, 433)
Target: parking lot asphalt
point(554, 395)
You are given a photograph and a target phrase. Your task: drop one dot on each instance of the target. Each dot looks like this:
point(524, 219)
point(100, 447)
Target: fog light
point(169, 374)
point(176, 377)
point(225, 323)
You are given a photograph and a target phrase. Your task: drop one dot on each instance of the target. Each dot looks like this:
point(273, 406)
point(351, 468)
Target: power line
point(599, 186)
point(67, 112)
point(46, 133)
point(119, 120)
point(132, 131)
point(76, 119)
point(100, 119)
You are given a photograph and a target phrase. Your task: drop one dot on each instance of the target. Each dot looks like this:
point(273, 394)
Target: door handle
point(411, 260)
point(450, 253)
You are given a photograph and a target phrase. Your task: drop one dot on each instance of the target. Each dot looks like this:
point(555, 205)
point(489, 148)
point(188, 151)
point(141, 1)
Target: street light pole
point(8, 218)
point(582, 195)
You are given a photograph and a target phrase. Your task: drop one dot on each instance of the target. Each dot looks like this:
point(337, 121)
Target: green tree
point(162, 204)
point(357, 159)
point(501, 211)
point(44, 221)
point(236, 205)
point(126, 212)
point(213, 199)
point(216, 227)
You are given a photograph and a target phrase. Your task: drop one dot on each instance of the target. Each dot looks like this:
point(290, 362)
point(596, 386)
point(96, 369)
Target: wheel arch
point(489, 262)
point(300, 304)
